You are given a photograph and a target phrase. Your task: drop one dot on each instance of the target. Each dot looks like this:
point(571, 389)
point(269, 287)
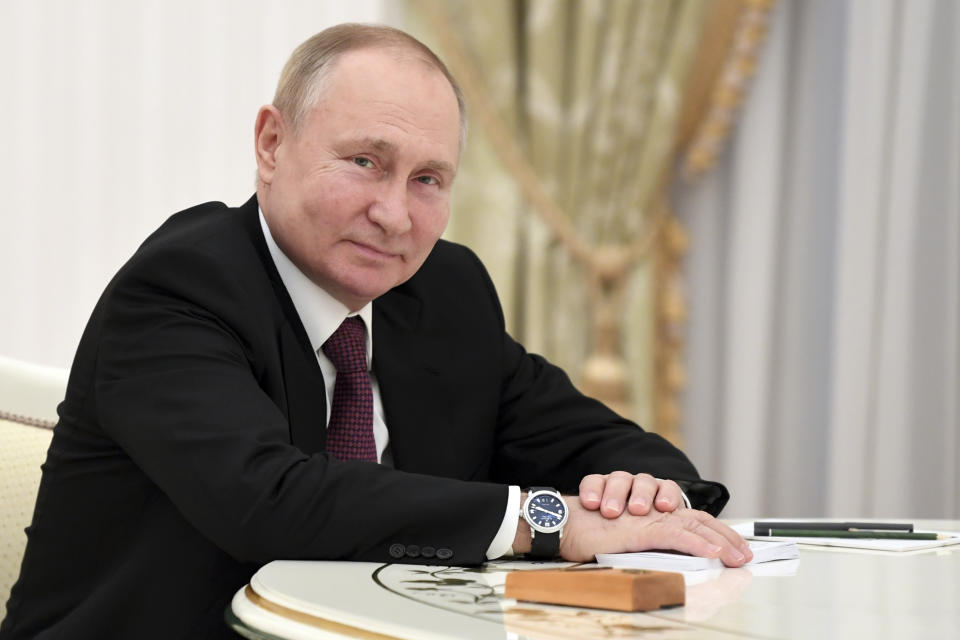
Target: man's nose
point(389, 209)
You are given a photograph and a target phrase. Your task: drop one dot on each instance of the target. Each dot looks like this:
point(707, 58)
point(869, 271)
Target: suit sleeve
point(180, 386)
point(550, 433)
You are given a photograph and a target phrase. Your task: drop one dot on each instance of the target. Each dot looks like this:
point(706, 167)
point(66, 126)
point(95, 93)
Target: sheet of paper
point(763, 551)
point(745, 529)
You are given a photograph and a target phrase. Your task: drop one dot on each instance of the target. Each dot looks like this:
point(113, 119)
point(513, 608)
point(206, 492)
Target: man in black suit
point(192, 446)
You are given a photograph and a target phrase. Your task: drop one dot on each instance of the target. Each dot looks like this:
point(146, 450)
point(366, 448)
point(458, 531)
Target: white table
point(831, 594)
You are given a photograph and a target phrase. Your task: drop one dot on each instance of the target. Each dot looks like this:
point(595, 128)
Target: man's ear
point(268, 134)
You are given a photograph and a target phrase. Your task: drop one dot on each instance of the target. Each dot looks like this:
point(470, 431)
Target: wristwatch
point(546, 513)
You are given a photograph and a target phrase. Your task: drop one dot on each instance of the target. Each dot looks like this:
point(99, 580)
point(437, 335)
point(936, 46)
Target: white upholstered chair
point(29, 395)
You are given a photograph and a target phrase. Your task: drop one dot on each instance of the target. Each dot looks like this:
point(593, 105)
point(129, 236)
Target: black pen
point(763, 528)
point(840, 533)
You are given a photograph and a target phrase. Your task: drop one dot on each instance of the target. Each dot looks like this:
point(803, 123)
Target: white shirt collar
point(319, 312)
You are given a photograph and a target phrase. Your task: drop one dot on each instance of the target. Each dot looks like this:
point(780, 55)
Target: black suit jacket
point(190, 447)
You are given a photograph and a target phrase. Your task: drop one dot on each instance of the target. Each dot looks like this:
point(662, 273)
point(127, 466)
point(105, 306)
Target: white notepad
point(763, 551)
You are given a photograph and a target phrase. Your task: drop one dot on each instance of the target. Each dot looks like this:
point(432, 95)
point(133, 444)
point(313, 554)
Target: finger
point(732, 537)
point(688, 535)
point(617, 488)
point(591, 491)
point(642, 494)
point(669, 496)
point(734, 550)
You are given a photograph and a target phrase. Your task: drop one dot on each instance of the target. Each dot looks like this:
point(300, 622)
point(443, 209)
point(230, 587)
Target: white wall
point(118, 113)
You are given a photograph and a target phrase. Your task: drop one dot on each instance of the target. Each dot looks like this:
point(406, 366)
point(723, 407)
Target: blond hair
point(304, 76)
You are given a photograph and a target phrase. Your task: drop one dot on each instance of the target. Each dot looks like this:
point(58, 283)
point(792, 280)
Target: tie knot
point(347, 347)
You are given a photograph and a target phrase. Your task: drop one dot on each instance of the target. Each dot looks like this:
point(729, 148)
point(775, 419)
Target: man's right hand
point(588, 533)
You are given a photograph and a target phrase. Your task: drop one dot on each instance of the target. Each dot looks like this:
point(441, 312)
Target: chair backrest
point(29, 395)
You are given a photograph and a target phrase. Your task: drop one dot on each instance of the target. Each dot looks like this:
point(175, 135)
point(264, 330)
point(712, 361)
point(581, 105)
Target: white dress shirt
point(321, 315)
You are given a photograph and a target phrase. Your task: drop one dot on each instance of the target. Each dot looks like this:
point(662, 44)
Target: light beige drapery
point(574, 108)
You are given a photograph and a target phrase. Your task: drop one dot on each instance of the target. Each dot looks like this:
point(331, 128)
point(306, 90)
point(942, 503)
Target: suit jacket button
point(413, 550)
point(397, 550)
point(444, 554)
point(428, 552)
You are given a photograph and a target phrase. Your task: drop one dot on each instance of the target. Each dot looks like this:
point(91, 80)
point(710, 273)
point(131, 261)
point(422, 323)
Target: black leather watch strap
point(544, 545)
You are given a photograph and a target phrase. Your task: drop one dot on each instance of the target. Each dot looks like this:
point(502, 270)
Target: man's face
point(359, 197)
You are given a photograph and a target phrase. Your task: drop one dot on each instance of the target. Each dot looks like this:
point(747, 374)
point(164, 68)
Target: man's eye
point(363, 162)
point(427, 180)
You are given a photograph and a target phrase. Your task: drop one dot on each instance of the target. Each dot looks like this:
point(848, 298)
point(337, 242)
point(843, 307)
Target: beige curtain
point(573, 109)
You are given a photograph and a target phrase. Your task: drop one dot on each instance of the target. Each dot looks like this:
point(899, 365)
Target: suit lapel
point(305, 396)
point(408, 365)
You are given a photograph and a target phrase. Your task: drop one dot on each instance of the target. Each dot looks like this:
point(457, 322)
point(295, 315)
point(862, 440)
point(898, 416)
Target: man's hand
point(639, 493)
point(588, 533)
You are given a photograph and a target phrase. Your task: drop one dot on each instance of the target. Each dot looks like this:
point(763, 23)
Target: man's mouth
point(373, 250)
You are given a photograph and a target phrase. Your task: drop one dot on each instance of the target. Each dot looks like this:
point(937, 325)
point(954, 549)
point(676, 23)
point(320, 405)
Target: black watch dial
point(546, 512)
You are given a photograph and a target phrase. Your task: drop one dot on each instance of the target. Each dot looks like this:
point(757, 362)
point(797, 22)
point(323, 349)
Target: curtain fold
point(824, 343)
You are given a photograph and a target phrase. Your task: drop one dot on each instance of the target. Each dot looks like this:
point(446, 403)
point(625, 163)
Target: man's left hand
point(639, 493)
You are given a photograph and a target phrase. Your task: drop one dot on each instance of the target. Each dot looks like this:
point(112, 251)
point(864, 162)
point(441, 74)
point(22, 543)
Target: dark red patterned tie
point(350, 431)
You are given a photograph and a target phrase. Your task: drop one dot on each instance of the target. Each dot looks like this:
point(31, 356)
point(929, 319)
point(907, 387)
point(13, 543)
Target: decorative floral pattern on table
point(478, 592)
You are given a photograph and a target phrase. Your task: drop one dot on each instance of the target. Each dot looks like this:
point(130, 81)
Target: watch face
point(546, 512)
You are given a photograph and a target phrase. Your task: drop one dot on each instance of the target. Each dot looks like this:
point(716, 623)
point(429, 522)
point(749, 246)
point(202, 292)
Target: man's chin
point(363, 290)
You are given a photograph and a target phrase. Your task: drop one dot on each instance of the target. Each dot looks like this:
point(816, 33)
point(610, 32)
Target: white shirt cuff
point(686, 500)
point(502, 543)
